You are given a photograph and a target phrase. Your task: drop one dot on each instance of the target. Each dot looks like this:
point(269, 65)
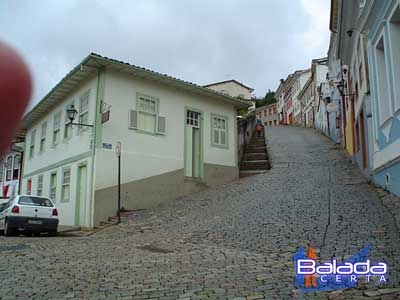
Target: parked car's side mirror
point(2, 206)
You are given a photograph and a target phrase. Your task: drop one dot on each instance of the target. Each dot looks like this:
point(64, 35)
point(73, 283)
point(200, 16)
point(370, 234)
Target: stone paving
point(235, 241)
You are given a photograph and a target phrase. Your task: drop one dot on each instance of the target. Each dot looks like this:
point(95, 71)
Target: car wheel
point(7, 230)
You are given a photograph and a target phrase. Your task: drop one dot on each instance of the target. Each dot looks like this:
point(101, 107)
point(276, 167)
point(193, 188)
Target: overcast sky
point(256, 42)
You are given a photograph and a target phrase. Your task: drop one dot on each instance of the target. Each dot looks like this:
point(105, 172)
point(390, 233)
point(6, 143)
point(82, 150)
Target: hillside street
point(235, 241)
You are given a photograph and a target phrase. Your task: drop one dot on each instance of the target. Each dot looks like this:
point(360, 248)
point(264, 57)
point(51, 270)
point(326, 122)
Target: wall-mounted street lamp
point(340, 87)
point(71, 114)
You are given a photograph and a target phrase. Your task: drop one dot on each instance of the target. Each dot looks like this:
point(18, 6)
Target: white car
point(29, 214)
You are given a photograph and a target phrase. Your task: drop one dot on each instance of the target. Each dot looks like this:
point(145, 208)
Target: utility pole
point(118, 153)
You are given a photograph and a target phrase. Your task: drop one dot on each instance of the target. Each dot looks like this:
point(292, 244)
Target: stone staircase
point(255, 160)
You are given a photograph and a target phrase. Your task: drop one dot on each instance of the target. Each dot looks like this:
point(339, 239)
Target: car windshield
point(35, 201)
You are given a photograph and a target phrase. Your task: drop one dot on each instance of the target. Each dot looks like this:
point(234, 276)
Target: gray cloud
point(254, 41)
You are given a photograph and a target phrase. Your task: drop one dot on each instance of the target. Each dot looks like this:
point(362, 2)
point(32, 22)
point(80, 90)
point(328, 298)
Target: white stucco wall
point(145, 155)
point(69, 153)
point(77, 144)
point(299, 84)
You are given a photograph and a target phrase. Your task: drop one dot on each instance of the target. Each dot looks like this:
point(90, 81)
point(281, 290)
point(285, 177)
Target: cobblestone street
point(235, 241)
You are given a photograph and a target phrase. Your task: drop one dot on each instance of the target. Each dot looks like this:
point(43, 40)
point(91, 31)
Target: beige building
point(234, 89)
point(268, 114)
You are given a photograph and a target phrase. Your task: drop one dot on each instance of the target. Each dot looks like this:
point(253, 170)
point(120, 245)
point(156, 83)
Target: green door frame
point(201, 125)
point(78, 192)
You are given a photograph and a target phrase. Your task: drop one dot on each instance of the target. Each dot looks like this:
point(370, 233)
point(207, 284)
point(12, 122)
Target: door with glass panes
point(193, 144)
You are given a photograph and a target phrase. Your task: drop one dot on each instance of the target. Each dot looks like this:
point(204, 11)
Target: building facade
point(322, 96)
point(232, 88)
point(280, 103)
point(300, 79)
point(268, 114)
point(379, 24)
point(306, 97)
point(10, 167)
point(289, 106)
point(162, 157)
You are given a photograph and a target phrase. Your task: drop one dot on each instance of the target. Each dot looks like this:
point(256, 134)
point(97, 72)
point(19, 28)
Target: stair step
point(255, 165)
point(255, 161)
point(256, 150)
point(255, 146)
point(256, 156)
point(257, 141)
point(253, 151)
point(246, 173)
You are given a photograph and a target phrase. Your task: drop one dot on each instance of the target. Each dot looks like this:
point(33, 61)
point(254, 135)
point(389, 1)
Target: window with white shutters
point(146, 118)
point(160, 125)
point(84, 109)
point(219, 131)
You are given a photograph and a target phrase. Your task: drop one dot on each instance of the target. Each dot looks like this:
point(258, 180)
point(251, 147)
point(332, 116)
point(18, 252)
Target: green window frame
point(56, 128)
point(147, 108)
point(39, 188)
point(67, 129)
point(66, 185)
point(43, 132)
point(84, 109)
point(219, 131)
point(53, 186)
point(32, 144)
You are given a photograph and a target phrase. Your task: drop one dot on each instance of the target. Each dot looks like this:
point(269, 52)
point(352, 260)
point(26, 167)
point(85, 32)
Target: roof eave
point(32, 116)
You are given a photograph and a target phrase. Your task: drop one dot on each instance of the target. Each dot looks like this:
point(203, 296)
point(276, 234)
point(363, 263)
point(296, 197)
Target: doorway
point(193, 144)
point(80, 193)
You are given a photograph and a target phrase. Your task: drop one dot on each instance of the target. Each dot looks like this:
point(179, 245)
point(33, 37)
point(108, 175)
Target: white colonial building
point(176, 138)
point(300, 79)
point(306, 97)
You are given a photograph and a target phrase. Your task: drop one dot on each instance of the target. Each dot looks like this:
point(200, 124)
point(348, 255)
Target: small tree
point(269, 98)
